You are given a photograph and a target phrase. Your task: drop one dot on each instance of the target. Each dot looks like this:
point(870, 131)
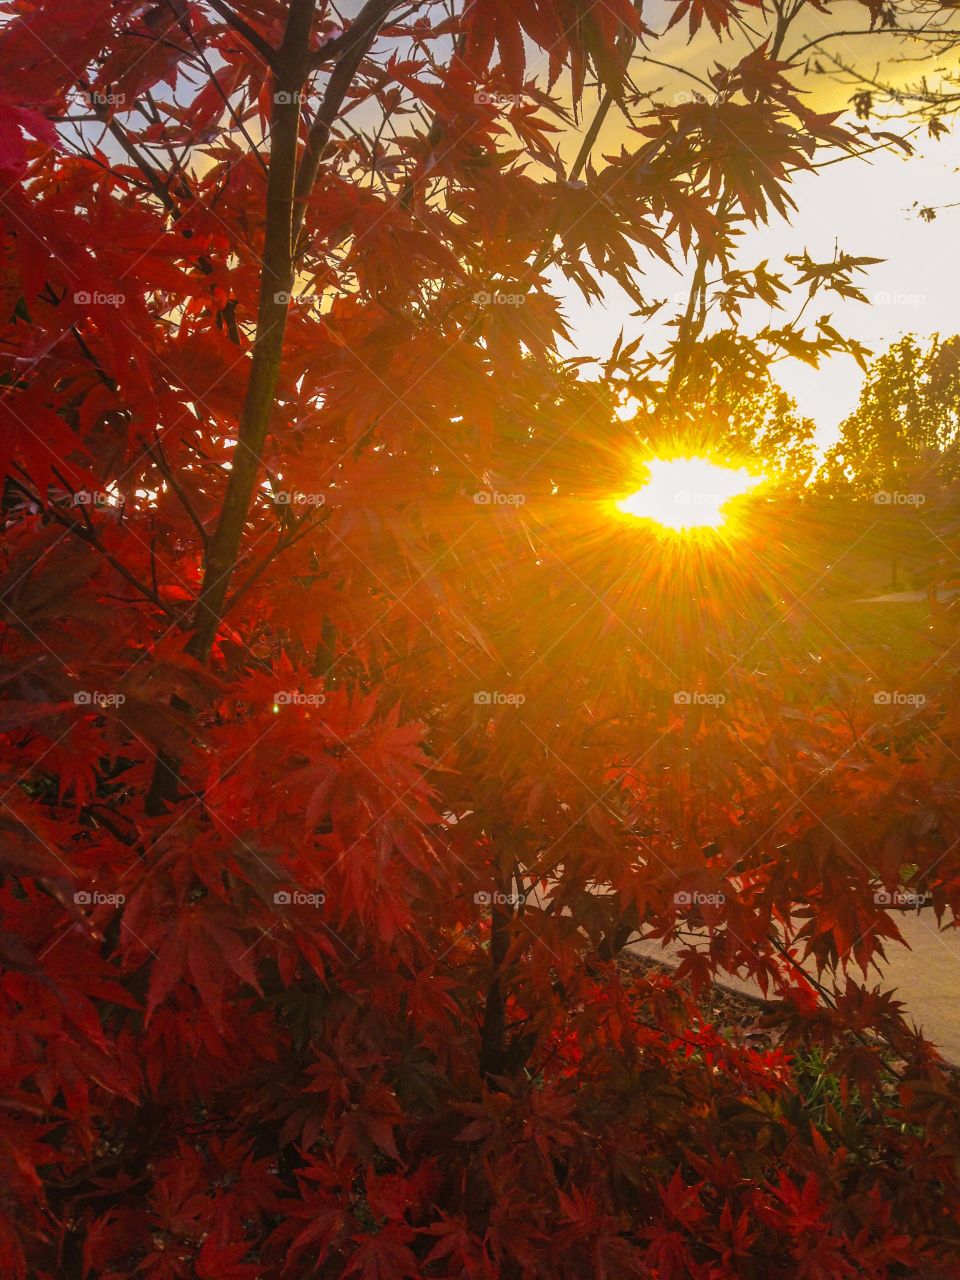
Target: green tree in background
point(759, 418)
point(897, 451)
point(905, 428)
point(731, 408)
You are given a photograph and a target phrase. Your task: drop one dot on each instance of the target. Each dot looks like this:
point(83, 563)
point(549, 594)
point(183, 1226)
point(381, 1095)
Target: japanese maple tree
point(346, 740)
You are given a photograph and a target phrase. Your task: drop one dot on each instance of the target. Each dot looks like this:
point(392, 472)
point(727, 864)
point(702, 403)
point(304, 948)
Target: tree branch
point(283, 544)
point(276, 281)
point(160, 188)
point(156, 450)
point(354, 45)
point(86, 531)
point(244, 29)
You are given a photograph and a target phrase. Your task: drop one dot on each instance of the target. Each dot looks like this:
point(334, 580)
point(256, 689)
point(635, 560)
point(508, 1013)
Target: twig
point(244, 29)
point(276, 282)
point(353, 46)
point(283, 544)
point(156, 452)
point(86, 531)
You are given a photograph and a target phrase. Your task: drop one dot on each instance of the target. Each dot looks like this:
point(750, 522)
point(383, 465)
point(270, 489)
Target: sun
point(687, 493)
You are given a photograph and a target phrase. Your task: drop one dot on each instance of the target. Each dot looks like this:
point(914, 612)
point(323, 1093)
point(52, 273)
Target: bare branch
point(244, 29)
point(354, 45)
point(156, 451)
point(276, 281)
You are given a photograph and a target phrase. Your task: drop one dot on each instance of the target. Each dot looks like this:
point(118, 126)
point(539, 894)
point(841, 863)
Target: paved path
point(907, 597)
point(926, 977)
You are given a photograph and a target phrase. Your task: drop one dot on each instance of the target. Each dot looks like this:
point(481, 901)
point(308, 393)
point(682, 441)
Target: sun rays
point(685, 494)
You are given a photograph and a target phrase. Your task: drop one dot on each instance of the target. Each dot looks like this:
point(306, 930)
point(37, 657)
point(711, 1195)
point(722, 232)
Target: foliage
point(738, 415)
point(907, 422)
point(344, 738)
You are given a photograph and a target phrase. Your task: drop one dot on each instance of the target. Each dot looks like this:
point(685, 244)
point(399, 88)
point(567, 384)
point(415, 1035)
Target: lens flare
point(687, 493)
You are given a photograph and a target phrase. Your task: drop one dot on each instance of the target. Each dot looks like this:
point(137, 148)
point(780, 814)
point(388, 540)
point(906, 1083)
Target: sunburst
point(688, 494)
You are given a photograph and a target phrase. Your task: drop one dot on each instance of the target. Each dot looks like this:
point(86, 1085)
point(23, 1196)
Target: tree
point(907, 419)
point(898, 448)
point(742, 414)
point(915, 87)
point(344, 744)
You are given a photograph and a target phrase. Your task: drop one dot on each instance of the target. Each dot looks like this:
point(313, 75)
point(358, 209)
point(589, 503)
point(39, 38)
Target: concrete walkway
point(926, 977)
point(907, 597)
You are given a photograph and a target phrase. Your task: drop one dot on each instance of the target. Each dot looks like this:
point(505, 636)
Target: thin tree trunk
point(291, 67)
point(276, 282)
point(493, 1032)
point(287, 192)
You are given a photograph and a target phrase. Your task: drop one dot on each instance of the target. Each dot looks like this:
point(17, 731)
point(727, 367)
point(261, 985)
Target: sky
point(865, 207)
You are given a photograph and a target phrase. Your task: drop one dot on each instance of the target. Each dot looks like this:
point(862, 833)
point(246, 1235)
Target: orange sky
point(864, 206)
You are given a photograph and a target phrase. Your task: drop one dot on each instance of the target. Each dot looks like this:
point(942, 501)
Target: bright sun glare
point(687, 493)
